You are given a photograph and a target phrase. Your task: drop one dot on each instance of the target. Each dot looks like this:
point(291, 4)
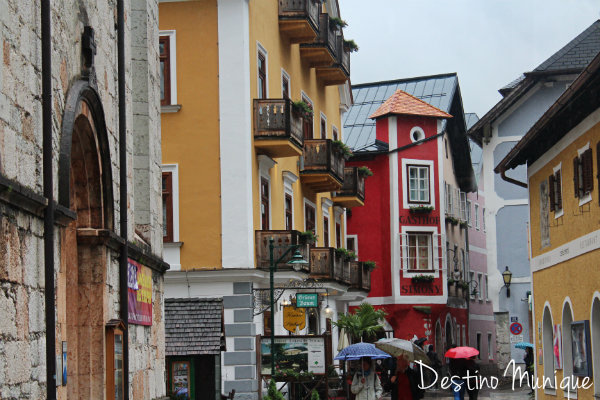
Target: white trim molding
point(171, 34)
point(574, 248)
point(405, 183)
point(174, 170)
point(260, 49)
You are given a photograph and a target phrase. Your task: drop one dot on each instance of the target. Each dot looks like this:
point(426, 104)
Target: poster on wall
point(139, 288)
point(557, 347)
point(180, 378)
point(296, 353)
point(580, 337)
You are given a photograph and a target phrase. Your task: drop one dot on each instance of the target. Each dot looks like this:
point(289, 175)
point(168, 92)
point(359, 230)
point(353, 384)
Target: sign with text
point(139, 288)
point(293, 318)
point(516, 338)
point(419, 220)
point(297, 353)
point(307, 300)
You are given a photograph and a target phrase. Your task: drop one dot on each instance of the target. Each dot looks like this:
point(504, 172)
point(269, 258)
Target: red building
point(414, 225)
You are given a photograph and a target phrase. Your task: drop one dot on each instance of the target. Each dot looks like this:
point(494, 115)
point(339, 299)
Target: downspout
point(123, 294)
point(49, 292)
point(511, 180)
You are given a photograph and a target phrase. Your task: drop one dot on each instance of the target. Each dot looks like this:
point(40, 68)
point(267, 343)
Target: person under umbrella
point(406, 382)
point(462, 363)
point(366, 384)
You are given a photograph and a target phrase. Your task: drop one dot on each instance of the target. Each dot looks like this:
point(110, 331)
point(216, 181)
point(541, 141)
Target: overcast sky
point(487, 42)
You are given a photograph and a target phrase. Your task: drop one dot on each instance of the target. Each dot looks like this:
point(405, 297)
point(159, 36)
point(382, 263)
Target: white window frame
point(480, 285)
point(172, 63)
point(469, 207)
point(285, 75)
point(174, 170)
point(476, 216)
point(288, 188)
point(303, 97)
point(333, 127)
point(463, 206)
point(483, 218)
point(448, 192)
point(435, 259)
point(265, 164)
point(419, 131)
point(260, 49)
point(405, 182)
point(322, 117)
point(355, 237)
point(487, 288)
point(588, 197)
point(326, 204)
point(471, 278)
point(558, 214)
point(337, 218)
point(310, 203)
point(490, 347)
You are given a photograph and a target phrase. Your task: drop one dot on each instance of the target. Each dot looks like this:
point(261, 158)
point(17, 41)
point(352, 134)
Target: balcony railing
point(326, 264)
point(322, 166)
point(277, 128)
point(338, 72)
point(365, 281)
point(299, 20)
point(280, 238)
point(321, 52)
point(360, 276)
point(352, 193)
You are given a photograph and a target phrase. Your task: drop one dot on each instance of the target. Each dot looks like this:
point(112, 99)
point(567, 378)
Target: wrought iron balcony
point(326, 264)
point(352, 193)
point(277, 128)
point(338, 72)
point(321, 52)
point(281, 238)
point(322, 165)
point(299, 20)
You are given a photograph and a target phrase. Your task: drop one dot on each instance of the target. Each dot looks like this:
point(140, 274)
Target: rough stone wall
point(502, 339)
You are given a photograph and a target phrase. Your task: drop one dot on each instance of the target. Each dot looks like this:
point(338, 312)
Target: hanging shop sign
point(294, 318)
point(307, 300)
point(139, 288)
point(301, 354)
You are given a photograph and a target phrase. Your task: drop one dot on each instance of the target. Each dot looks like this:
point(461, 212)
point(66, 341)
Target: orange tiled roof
point(402, 103)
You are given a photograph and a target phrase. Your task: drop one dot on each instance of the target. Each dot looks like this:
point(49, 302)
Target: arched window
point(596, 344)
point(567, 348)
point(548, 346)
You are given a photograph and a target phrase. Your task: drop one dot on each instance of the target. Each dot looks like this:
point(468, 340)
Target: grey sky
point(487, 42)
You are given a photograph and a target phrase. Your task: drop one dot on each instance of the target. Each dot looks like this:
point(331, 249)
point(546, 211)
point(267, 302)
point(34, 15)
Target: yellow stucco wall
point(576, 279)
point(264, 30)
point(190, 137)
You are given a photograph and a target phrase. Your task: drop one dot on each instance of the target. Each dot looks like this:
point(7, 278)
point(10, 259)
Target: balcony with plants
point(352, 193)
point(322, 51)
point(278, 127)
point(282, 239)
point(322, 164)
point(338, 72)
point(299, 20)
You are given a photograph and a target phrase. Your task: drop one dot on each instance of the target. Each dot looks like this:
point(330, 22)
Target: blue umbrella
point(359, 350)
point(523, 345)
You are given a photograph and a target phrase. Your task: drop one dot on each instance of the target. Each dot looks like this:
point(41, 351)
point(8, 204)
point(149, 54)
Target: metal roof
point(359, 130)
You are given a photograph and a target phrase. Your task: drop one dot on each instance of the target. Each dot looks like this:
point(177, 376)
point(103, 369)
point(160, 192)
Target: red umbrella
point(461, 352)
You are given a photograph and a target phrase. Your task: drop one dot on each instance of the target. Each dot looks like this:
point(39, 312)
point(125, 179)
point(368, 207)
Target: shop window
point(419, 251)
point(555, 191)
point(167, 204)
point(262, 75)
point(418, 184)
point(115, 388)
point(325, 232)
point(264, 203)
point(583, 169)
point(289, 213)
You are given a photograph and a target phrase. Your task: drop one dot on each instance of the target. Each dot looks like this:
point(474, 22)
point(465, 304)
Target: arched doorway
point(85, 258)
point(567, 349)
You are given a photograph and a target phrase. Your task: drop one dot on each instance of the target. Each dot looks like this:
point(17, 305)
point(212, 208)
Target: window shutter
point(576, 176)
point(587, 164)
point(558, 195)
point(551, 191)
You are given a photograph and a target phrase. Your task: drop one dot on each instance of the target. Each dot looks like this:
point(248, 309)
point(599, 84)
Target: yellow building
point(562, 154)
point(252, 94)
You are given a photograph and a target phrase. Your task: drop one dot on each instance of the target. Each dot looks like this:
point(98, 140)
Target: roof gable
point(402, 103)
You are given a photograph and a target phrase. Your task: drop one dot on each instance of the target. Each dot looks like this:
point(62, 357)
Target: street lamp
point(296, 262)
point(507, 277)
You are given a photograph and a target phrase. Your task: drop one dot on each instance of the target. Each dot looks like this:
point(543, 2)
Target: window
point(469, 206)
point(323, 127)
point(262, 76)
point(164, 50)
point(448, 194)
point(490, 349)
point(267, 323)
point(351, 243)
point(338, 234)
point(555, 191)
point(464, 263)
point(325, 232)
point(307, 124)
point(483, 218)
point(264, 203)
point(417, 134)
point(471, 278)
point(583, 174)
point(419, 251)
point(418, 184)
point(167, 200)
point(114, 359)
point(463, 206)
point(285, 85)
point(334, 132)
point(487, 297)
point(479, 345)
point(479, 281)
point(289, 213)
point(477, 216)
point(309, 218)
point(313, 322)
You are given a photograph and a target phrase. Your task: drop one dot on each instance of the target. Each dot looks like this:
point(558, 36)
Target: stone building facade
point(65, 300)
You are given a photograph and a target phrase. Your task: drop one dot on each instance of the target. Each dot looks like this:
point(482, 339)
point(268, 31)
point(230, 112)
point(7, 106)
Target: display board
point(298, 353)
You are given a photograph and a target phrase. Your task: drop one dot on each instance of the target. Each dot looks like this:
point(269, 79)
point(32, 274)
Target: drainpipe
point(511, 180)
point(123, 294)
point(49, 291)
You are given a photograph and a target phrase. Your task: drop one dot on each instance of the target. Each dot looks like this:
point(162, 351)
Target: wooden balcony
point(339, 71)
point(322, 166)
point(326, 264)
point(360, 276)
point(365, 280)
point(321, 52)
point(352, 193)
point(299, 20)
point(277, 128)
point(281, 238)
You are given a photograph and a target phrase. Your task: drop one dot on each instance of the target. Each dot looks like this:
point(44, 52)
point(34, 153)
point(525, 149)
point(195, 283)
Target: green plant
point(337, 23)
point(463, 285)
point(363, 324)
point(302, 108)
point(450, 281)
point(365, 171)
point(314, 395)
point(422, 278)
point(464, 224)
point(370, 264)
point(272, 392)
point(350, 45)
point(309, 236)
point(343, 147)
point(289, 374)
point(420, 209)
point(345, 253)
point(452, 220)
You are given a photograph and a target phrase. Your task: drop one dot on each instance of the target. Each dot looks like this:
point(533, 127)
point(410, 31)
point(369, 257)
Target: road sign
point(516, 328)
point(293, 318)
point(516, 338)
point(514, 319)
point(307, 300)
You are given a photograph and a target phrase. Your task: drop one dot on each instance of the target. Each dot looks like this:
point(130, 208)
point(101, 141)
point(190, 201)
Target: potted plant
point(451, 287)
point(365, 171)
point(350, 45)
point(422, 278)
point(452, 220)
point(420, 209)
point(308, 237)
point(346, 254)
point(302, 109)
point(343, 148)
point(370, 264)
point(336, 23)
point(464, 224)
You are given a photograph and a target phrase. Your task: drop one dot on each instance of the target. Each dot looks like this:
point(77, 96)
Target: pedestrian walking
point(472, 386)
point(366, 384)
point(406, 381)
point(529, 366)
point(436, 364)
